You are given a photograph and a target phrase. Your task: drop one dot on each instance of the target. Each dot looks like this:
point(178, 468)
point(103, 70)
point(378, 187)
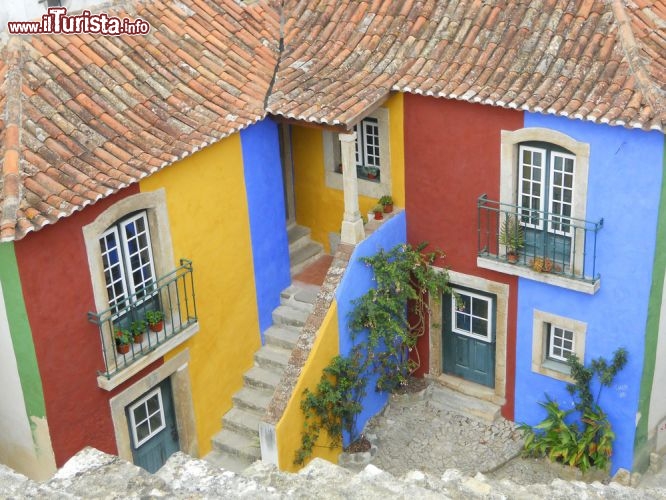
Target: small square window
point(560, 343)
point(554, 340)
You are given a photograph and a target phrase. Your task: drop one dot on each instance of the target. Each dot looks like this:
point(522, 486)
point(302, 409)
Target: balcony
point(552, 248)
point(173, 294)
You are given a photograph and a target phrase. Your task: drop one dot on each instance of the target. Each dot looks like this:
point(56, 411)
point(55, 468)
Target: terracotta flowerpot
point(157, 327)
point(388, 208)
point(138, 338)
point(122, 348)
point(379, 216)
point(512, 257)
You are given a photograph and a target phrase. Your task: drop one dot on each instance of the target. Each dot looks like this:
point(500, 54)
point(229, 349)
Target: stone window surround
point(510, 142)
point(154, 204)
point(497, 394)
point(540, 362)
point(177, 368)
point(365, 187)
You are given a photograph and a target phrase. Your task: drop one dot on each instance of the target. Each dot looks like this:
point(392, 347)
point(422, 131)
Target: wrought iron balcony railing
point(172, 294)
point(546, 242)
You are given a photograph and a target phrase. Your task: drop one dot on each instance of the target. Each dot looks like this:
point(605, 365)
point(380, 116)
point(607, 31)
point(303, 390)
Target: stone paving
point(414, 433)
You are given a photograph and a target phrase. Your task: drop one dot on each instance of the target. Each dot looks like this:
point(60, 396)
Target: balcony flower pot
point(379, 212)
point(512, 257)
point(123, 339)
point(155, 320)
point(386, 201)
point(138, 329)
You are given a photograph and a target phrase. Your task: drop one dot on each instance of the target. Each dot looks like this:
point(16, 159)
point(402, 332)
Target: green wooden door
point(152, 427)
point(468, 338)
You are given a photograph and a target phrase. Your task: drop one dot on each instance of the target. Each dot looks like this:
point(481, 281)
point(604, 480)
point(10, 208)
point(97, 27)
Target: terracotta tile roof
point(82, 116)
point(596, 60)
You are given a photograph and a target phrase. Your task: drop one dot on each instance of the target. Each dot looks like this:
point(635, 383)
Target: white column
point(352, 225)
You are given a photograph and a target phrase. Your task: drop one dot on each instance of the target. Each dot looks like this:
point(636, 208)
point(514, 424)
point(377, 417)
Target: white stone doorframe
point(352, 231)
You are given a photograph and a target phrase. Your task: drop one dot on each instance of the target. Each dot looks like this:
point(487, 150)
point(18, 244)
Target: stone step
point(237, 445)
point(286, 315)
point(282, 336)
point(298, 237)
point(302, 296)
point(260, 378)
point(304, 256)
point(272, 358)
point(226, 461)
point(242, 422)
point(249, 398)
point(444, 398)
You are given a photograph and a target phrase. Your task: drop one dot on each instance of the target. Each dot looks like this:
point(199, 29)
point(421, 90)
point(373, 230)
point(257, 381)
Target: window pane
point(480, 308)
point(480, 327)
point(462, 321)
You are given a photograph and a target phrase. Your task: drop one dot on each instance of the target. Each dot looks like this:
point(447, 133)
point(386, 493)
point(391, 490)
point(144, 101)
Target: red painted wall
point(57, 289)
point(452, 156)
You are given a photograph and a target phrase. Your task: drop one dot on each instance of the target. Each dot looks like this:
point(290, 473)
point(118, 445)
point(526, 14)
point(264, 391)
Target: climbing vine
point(589, 444)
point(385, 323)
point(404, 276)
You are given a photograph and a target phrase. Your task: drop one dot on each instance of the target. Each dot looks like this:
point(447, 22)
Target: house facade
point(529, 321)
point(162, 172)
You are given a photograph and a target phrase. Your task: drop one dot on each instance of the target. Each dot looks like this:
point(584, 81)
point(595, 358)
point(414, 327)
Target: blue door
point(152, 426)
point(468, 336)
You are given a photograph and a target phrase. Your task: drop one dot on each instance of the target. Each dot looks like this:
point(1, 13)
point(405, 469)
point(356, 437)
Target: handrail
point(546, 241)
point(172, 293)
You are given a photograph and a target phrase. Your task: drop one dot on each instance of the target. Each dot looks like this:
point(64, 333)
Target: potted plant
point(371, 172)
point(137, 329)
point(379, 212)
point(387, 202)
point(512, 237)
point(155, 320)
point(123, 340)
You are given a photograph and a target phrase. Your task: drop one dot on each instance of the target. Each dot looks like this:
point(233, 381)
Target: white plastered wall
point(25, 450)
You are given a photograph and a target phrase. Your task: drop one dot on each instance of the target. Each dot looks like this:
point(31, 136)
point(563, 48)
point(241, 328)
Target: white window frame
point(553, 337)
point(543, 361)
point(551, 193)
point(130, 287)
point(370, 188)
point(489, 319)
point(533, 182)
point(133, 424)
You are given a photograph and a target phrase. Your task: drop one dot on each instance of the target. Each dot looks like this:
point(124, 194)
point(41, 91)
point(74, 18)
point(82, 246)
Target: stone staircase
point(236, 446)
point(302, 250)
point(445, 398)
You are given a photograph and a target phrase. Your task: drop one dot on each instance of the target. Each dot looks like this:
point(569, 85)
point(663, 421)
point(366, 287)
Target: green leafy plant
point(585, 444)
point(334, 405)
point(154, 317)
point(137, 327)
point(378, 209)
point(404, 276)
point(122, 336)
point(512, 235)
point(386, 200)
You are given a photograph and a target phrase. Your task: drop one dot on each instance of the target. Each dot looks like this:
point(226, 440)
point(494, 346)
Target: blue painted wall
point(357, 280)
point(624, 188)
point(268, 229)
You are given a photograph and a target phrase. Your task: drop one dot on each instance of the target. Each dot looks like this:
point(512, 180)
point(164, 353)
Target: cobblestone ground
point(419, 436)
point(412, 433)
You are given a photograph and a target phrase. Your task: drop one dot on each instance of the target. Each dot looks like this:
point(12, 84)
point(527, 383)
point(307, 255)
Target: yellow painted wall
point(209, 220)
point(321, 208)
point(289, 428)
